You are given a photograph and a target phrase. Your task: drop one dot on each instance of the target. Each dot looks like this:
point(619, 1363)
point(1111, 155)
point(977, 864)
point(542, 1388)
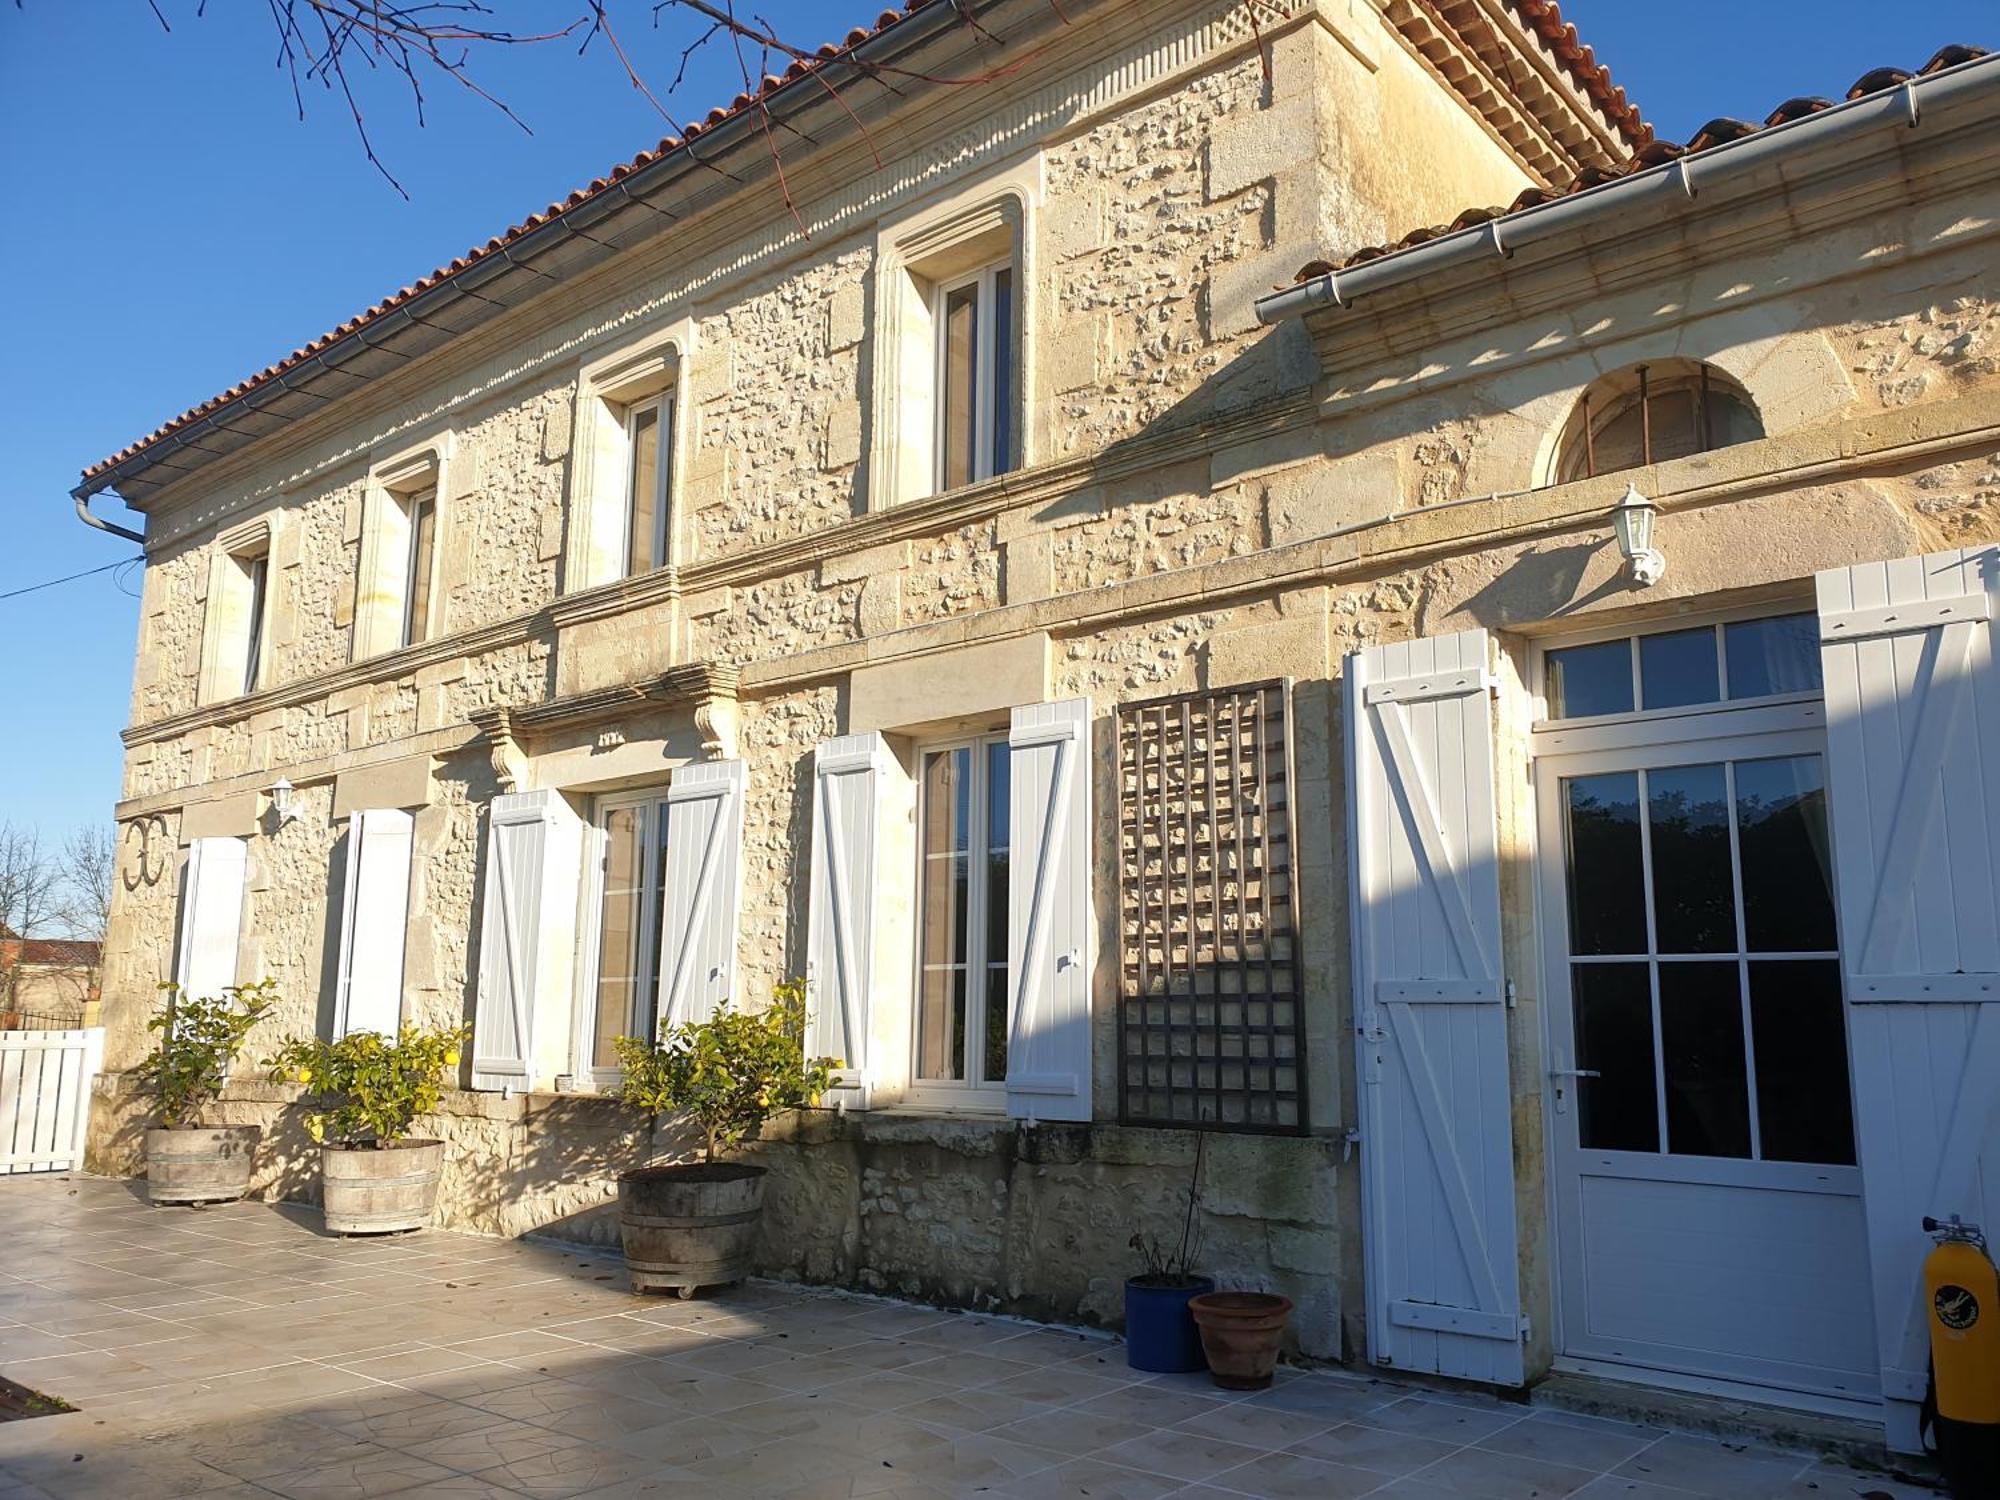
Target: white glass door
point(1707, 1201)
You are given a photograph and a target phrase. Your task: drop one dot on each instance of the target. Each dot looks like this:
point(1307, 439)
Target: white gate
point(45, 1079)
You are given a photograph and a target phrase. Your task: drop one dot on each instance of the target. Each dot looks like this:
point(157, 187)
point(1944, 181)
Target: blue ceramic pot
point(1160, 1336)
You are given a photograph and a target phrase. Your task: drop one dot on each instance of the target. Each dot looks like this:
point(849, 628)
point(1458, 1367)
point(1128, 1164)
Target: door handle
point(1562, 1095)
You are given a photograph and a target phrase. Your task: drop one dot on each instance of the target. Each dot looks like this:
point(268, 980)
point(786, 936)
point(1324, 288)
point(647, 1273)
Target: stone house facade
point(1179, 712)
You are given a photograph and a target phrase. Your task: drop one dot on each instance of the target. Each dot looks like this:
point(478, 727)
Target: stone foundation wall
point(1034, 1221)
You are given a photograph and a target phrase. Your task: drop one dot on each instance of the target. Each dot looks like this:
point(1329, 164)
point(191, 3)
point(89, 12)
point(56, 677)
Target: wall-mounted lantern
point(282, 806)
point(1633, 520)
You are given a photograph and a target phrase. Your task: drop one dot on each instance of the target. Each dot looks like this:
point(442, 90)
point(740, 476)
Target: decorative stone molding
point(708, 687)
point(496, 726)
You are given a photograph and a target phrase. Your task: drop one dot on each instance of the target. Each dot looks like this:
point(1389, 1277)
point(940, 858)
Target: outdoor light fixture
point(281, 801)
point(1633, 519)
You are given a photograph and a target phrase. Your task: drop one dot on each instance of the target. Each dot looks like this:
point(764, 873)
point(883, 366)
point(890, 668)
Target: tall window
point(257, 572)
point(420, 511)
point(649, 435)
point(961, 1031)
point(974, 317)
point(1648, 414)
point(632, 842)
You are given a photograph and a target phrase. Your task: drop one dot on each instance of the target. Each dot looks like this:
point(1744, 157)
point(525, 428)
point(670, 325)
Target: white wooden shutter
point(703, 895)
point(510, 940)
point(850, 796)
point(1913, 781)
point(1438, 1235)
point(1048, 911)
point(211, 916)
point(373, 917)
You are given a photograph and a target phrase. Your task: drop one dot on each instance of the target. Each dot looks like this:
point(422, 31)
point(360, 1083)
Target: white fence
point(45, 1079)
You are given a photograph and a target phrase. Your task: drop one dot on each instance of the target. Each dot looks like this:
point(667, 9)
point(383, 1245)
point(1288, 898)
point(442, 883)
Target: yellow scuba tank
point(1962, 1298)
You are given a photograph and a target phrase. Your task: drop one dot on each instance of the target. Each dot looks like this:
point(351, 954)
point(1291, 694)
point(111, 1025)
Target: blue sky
point(173, 227)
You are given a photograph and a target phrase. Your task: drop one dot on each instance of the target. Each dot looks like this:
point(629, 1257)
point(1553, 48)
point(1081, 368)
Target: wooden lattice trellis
point(1210, 1025)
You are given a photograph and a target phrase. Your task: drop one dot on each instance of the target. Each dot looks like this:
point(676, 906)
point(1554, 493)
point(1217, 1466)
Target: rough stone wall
point(778, 737)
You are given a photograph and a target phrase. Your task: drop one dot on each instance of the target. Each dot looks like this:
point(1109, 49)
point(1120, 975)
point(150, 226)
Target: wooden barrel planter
point(380, 1189)
point(196, 1165)
point(690, 1225)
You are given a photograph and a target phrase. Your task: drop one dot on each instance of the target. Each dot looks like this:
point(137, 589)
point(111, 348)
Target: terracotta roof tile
point(1544, 17)
point(1717, 132)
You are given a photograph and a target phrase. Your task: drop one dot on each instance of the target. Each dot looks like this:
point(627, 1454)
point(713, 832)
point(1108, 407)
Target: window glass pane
point(642, 500)
point(1614, 1036)
point(417, 599)
point(959, 403)
point(997, 815)
point(996, 1023)
point(618, 932)
point(1607, 910)
point(1003, 370)
point(1779, 655)
point(1587, 680)
point(1701, 1041)
point(1804, 1112)
point(1787, 866)
point(259, 570)
point(943, 903)
point(1694, 890)
point(1678, 668)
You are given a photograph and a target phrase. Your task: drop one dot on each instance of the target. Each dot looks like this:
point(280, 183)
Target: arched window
point(1646, 414)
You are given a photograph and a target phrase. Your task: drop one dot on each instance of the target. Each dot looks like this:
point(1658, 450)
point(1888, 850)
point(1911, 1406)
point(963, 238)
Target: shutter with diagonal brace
point(1048, 912)
point(861, 798)
point(374, 915)
point(1439, 1248)
point(211, 916)
point(702, 896)
point(533, 850)
point(1913, 738)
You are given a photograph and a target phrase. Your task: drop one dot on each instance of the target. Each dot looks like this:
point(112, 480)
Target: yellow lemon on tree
point(302, 1076)
point(451, 1058)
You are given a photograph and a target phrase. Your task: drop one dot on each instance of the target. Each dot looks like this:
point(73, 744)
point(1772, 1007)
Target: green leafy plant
point(365, 1089)
point(728, 1074)
point(199, 1038)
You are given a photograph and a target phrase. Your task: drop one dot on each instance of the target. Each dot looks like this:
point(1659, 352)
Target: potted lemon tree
point(363, 1092)
point(691, 1224)
point(188, 1161)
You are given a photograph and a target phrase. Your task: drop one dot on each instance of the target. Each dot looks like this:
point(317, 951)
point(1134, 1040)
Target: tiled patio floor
point(239, 1352)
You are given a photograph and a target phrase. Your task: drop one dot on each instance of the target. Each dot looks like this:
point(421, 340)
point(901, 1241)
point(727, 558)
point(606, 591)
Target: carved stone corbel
point(497, 725)
point(711, 688)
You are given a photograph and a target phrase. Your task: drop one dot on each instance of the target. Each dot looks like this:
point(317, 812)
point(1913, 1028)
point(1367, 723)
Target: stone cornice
point(915, 519)
point(1871, 444)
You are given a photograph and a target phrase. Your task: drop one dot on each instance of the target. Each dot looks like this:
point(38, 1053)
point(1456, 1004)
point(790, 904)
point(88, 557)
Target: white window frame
point(235, 626)
point(649, 372)
point(652, 801)
point(664, 406)
point(1641, 727)
point(984, 224)
point(386, 568)
point(987, 337)
point(414, 557)
point(974, 1092)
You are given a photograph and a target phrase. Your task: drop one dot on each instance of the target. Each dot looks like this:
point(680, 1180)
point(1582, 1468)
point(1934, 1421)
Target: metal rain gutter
point(1676, 181)
point(913, 31)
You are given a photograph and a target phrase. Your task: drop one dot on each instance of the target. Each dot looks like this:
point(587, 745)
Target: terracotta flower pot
point(1240, 1334)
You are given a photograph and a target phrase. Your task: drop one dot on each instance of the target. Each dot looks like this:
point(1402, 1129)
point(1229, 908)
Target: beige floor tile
point(1555, 1438)
point(1294, 1476)
point(1187, 1456)
point(1708, 1467)
point(1481, 1474)
point(380, 1471)
point(495, 1447)
point(1090, 1479)
point(1070, 1430)
point(1441, 1421)
point(1373, 1448)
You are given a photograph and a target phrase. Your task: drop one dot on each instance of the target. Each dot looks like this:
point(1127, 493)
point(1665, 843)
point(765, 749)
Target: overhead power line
point(71, 578)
